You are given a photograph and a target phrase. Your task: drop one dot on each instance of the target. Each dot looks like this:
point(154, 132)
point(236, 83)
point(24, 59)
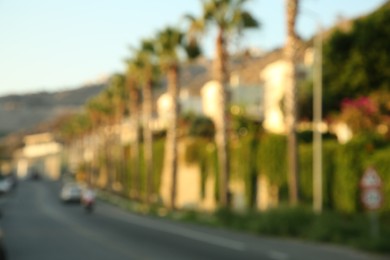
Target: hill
point(23, 112)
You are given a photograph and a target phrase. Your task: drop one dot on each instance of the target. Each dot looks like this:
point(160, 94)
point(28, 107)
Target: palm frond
point(248, 21)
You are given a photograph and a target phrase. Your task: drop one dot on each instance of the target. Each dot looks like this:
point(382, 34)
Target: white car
point(5, 185)
point(71, 192)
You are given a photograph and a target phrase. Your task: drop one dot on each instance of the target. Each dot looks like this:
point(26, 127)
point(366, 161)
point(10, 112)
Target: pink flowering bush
point(360, 114)
point(368, 114)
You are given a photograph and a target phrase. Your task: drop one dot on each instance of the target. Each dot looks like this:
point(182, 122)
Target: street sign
point(370, 179)
point(371, 194)
point(372, 198)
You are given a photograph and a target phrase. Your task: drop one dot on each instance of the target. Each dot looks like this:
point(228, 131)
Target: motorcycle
point(88, 201)
point(89, 205)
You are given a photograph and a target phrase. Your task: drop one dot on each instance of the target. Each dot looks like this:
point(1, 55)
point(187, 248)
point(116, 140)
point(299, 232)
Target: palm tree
point(92, 113)
point(170, 42)
point(291, 101)
point(96, 111)
point(146, 62)
point(75, 126)
point(230, 18)
point(117, 85)
point(74, 131)
point(132, 81)
point(101, 109)
point(107, 99)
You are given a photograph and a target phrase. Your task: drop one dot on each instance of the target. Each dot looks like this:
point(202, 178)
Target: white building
point(40, 152)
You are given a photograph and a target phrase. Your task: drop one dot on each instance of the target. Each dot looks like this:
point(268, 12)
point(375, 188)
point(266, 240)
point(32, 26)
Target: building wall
point(274, 78)
point(42, 153)
point(22, 168)
point(267, 194)
point(164, 105)
point(250, 98)
point(189, 188)
point(53, 166)
point(210, 99)
point(188, 182)
point(191, 105)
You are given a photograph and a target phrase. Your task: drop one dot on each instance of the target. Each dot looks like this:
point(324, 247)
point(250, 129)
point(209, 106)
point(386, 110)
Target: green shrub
point(273, 159)
point(349, 167)
point(329, 148)
point(202, 152)
point(301, 222)
point(244, 166)
point(380, 160)
point(289, 222)
point(200, 127)
point(329, 168)
point(158, 161)
point(306, 172)
point(351, 160)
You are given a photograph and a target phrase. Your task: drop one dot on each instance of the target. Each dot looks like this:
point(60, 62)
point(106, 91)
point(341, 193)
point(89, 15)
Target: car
point(35, 175)
point(7, 183)
point(71, 192)
point(3, 252)
point(5, 186)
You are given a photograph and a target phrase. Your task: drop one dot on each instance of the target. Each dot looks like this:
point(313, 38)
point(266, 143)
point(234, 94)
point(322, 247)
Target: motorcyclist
point(88, 198)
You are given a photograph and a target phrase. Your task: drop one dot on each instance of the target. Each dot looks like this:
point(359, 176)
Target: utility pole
point(317, 120)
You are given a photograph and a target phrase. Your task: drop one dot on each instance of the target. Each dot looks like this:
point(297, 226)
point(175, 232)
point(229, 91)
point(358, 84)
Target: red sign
point(370, 179)
point(371, 194)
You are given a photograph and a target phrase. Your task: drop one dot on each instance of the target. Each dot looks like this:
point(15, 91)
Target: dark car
point(3, 251)
point(35, 175)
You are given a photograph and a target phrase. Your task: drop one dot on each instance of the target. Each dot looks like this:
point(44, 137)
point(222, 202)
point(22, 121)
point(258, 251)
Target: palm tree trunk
point(172, 135)
point(221, 74)
point(291, 101)
point(136, 158)
point(109, 158)
point(134, 100)
point(120, 153)
point(105, 164)
point(148, 138)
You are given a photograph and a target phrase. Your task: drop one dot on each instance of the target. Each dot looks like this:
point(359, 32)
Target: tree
point(230, 18)
point(101, 111)
point(363, 115)
point(291, 100)
point(170, 45)
point(120, 98)
point(132, 81)
point(75, 126)
point(147, 64)
point(357, 61)
point(95, 110)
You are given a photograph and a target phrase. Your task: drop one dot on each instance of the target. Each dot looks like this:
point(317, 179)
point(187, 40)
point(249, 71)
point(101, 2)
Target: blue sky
point(49, 45)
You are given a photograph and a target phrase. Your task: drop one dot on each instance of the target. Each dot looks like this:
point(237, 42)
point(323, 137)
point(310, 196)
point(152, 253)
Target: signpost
point(372, 197)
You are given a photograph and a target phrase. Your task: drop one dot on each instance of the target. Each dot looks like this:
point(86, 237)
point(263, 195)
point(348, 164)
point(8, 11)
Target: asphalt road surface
point(38, 226)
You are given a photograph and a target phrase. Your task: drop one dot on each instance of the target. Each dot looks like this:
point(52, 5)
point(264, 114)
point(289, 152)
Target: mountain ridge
point(21, 112)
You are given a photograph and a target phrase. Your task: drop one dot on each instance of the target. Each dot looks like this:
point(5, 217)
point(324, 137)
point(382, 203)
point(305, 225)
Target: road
point(38, 226)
